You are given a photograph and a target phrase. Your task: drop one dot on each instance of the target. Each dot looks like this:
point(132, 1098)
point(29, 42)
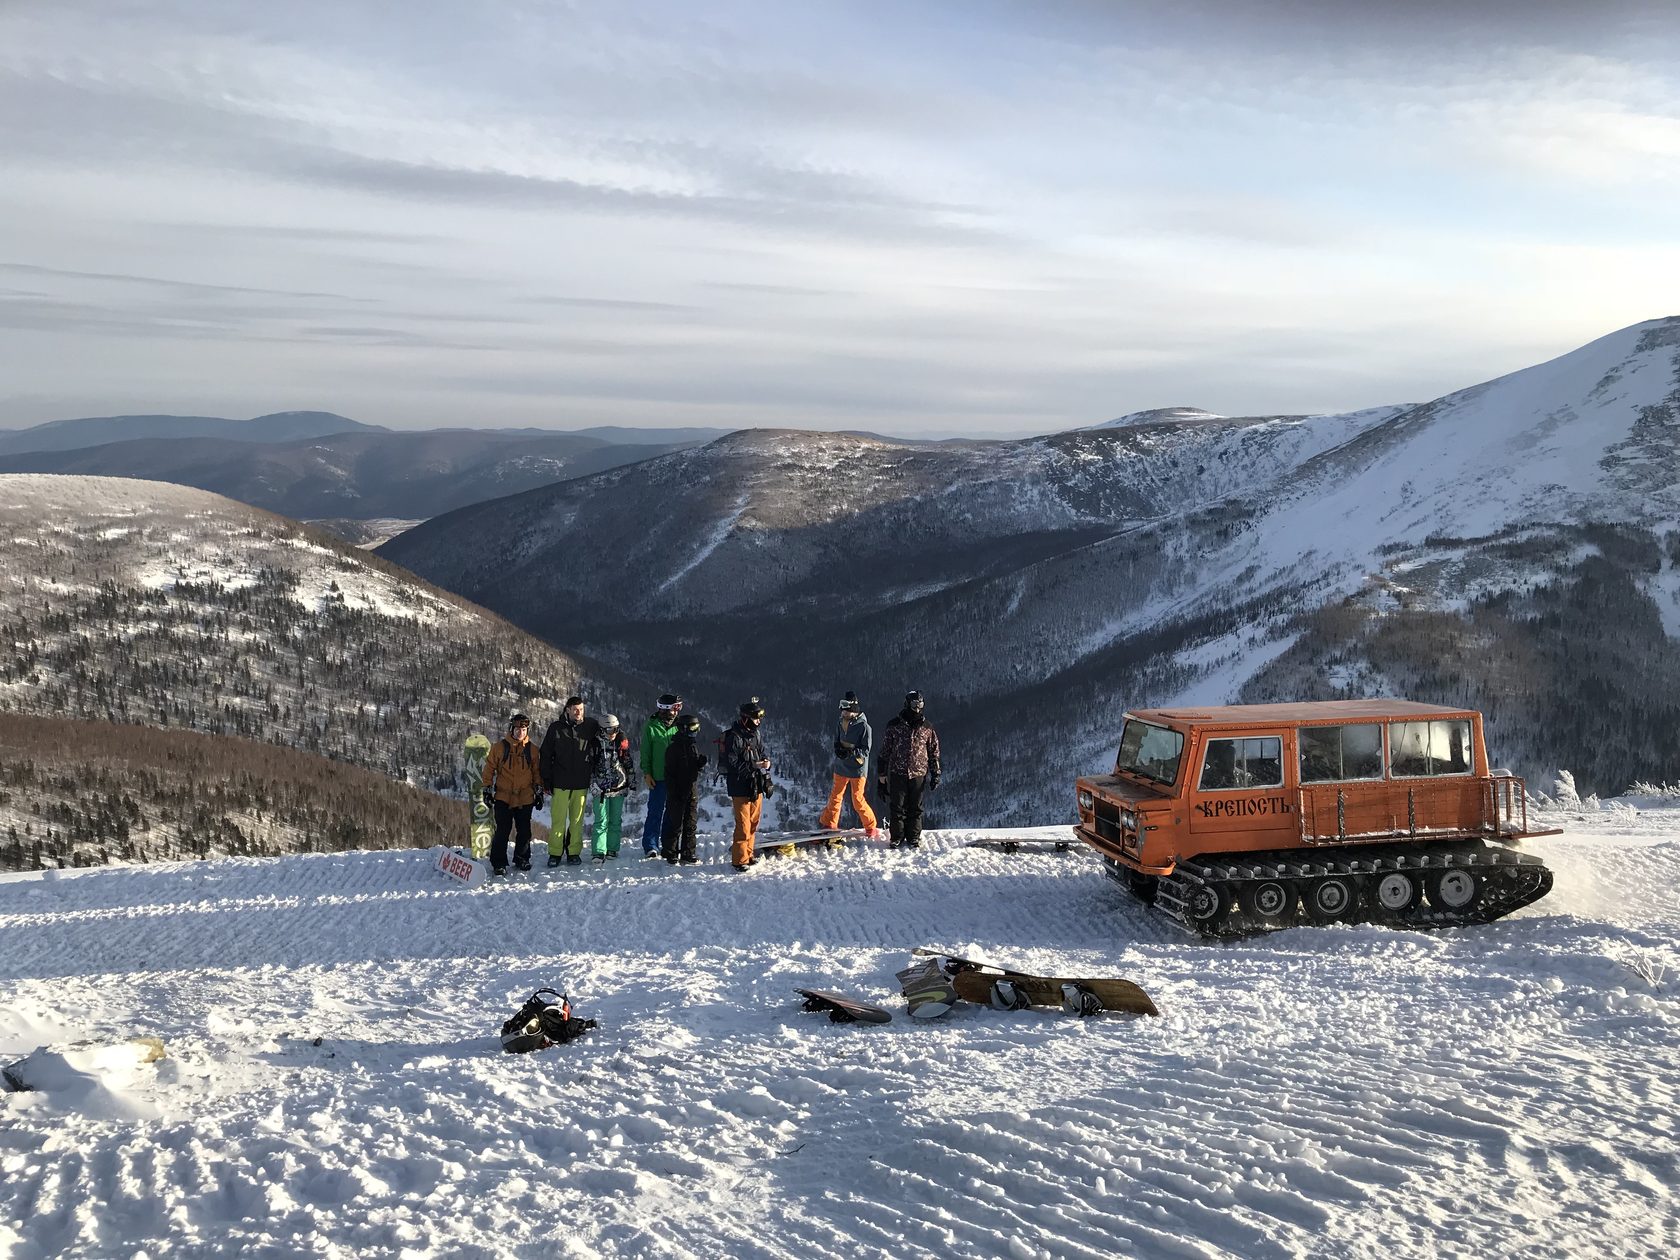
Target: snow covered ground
point(335, 1087)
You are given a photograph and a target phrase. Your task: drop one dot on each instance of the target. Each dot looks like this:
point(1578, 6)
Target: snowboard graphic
point(483, 824)
point(927, 989)
point(456, 864)
point(843, 1010)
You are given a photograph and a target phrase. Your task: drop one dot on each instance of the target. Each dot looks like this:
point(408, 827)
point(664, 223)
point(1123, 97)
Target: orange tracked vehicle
point(1239, 818)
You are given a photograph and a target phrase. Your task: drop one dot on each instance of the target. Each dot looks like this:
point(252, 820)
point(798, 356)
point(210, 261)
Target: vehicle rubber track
point(1444, 884)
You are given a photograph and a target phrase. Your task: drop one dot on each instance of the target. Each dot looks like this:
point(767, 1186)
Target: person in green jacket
point(656, 737)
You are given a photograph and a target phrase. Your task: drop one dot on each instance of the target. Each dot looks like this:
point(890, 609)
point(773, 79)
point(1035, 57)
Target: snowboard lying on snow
point(785, 842)
point(841, 1009)
point(1022, 844)
point(1076, 997)
point(1007, 989)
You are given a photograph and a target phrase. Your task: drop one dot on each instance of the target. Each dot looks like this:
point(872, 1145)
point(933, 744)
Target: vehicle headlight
point(1128, 819)
point(1086, 801)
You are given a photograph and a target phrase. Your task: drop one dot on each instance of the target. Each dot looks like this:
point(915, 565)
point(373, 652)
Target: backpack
point(545, 1020)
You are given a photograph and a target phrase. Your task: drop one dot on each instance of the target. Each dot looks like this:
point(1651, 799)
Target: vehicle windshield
point(1152, 751)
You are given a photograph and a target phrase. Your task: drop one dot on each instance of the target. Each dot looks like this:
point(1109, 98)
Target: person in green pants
point(566, 762)
point(614, 778)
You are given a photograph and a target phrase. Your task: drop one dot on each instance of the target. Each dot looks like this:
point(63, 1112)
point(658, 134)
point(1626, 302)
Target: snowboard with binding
point(783, 843)
point(1024, 844)
point(841, 1009)
point(1075, 996)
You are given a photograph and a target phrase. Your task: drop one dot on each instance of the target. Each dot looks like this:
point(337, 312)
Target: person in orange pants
point(852, 744)
point(746, 769)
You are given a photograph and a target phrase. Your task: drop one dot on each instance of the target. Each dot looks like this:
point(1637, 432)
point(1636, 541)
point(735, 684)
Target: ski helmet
point(750, 707)
point(913, 702)
point(609, 722)
point(669, 701)
point(688, 722)
point(518, 719)
point(849, 703)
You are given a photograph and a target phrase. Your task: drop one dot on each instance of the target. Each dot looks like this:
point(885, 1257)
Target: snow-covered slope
point(158, 605)
point(335, 1087)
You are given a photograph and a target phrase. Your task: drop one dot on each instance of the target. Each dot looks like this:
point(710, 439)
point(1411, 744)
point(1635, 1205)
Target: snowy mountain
point(334, 1086)
point(1034, 588)
point(157, 605)
point(281, 426)
point(1160, 415)
point(366, 474)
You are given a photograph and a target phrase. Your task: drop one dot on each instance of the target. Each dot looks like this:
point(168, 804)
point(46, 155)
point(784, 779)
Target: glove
point(704, 761)
point(881, 783)
point(489, 798)
point(648, 779)
point(858, 758)
point(537, 804)
point(933, 781)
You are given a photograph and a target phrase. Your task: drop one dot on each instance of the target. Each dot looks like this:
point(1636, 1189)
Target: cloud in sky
point(945, 217)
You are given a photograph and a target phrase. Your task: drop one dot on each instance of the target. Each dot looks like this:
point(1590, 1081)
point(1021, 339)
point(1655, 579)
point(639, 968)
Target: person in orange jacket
point(513, 788)
point(852, 744)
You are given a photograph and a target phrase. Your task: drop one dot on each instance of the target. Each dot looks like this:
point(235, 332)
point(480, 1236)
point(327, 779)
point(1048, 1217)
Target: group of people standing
point(580, 755)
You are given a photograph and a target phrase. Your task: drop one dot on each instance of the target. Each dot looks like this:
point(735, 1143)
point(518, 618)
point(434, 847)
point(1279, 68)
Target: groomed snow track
point(335, 1087)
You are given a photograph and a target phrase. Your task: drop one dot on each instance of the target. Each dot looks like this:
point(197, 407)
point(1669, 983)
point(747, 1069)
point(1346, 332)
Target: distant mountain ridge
point(279, 426)
point(367, 473)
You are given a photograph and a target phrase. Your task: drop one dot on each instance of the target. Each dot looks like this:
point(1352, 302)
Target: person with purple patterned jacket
point(909, 767)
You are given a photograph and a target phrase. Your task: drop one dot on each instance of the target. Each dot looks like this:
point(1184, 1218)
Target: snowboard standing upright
point(483, 824)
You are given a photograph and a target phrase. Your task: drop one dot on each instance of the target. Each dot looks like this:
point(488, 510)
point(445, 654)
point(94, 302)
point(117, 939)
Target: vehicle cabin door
point(1239, 797)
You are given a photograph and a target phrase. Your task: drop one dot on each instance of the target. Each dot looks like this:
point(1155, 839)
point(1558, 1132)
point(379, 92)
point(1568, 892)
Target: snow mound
point(94, 1080)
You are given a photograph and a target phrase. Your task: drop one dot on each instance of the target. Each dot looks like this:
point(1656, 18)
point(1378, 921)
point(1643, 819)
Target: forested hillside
point(143, 603)
point(87, 793)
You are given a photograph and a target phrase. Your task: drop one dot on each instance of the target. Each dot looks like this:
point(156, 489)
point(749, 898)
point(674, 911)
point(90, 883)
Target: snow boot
point(555, 859)
point(574, 859)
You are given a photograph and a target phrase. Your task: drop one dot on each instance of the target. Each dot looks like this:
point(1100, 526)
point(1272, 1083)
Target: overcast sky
point(970, 216)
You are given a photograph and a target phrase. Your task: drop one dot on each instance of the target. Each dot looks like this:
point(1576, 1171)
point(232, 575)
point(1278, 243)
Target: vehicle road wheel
point(1207, 905)
point(1330, 898)
point(1396, 891)
point(1269, 899)
point(1454, 890)
point(1142, 886)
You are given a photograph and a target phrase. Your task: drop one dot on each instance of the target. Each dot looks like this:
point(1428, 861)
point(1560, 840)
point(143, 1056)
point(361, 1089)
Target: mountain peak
point(1160, 415)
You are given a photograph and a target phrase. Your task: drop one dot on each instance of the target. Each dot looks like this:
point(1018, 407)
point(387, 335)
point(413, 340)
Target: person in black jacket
point(683, 763)
point(567, 763)
point(746, 769)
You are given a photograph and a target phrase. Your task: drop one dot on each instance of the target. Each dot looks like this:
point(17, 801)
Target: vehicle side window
point(1332, 753)
point(1420, 749)
point(1250, 762)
